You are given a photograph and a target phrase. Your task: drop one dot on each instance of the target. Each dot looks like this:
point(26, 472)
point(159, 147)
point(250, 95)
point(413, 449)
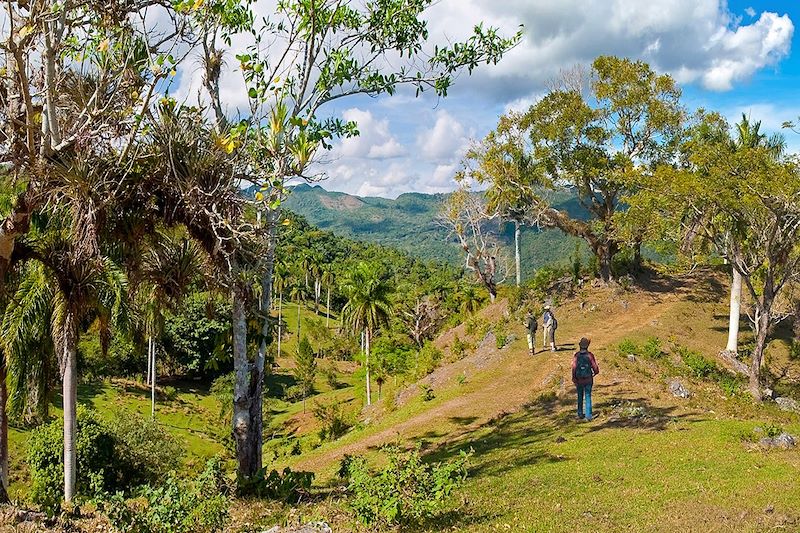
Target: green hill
point(409, 223)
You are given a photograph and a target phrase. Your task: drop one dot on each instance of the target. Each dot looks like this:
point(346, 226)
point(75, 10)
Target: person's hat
point(546, 307)
point(584, 343)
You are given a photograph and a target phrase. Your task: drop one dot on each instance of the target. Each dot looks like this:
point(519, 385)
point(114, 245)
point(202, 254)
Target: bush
point(170, 393)
point(428, 358)
point(406, 491)
point(331, 377)
point(286, 486)
point(176, 506)
point(427, 392)
point(698, 365)
point(627, 347)
point(458, 348)
point(109, 459)
point(335, 422)
point(652, 348)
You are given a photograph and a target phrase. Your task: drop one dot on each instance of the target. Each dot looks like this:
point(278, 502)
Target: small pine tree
point(306, 368)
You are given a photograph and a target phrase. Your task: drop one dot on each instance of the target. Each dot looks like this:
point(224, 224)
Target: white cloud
point(374, 141)
point(444, 141)
point(750, 12)
point(696, 40)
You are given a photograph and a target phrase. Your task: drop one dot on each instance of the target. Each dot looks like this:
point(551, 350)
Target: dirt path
point(514, 378)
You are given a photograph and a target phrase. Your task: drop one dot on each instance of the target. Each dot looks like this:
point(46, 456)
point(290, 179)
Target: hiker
point(584, 369)
point(531, 325)
point(550, 325)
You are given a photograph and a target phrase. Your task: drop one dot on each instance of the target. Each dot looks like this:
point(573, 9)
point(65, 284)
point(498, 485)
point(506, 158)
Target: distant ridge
point(409, 223)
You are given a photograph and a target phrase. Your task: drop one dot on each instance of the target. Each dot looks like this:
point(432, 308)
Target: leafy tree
point(596, 141)
point(305, 368)
point(369, 306)
point(743, 200)
point(470, 221)
point(311, 53)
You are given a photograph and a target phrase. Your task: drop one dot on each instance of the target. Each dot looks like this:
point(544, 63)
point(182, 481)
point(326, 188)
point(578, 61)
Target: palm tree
point(296, 295)
point(368, 307)
point(65, 287)
point(470, 299)
point(748, 135)
point(280, 276)
point(328, 280)
point(171, 263)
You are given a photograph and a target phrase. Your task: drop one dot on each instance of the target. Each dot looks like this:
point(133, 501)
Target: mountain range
point(409, 223)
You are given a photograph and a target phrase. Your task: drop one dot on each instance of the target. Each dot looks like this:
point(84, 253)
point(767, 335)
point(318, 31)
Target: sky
point(733, 57)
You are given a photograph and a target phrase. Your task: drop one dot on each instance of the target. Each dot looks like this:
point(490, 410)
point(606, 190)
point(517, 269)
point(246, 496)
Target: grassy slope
point(683, 466)
point(534, 468)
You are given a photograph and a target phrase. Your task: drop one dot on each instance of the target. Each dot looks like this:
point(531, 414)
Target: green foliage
point(110, 458)
point(426, 392)
point(542, 281)
point(197, 335)
point(331, 376)
point(176, 506)
point(459, 347)
point(305, 367)
point(627, 347)
point(794, 350)
point(652, 348)
point(287, 486)
point(334, 421)
point(407, 491)
point(428, 358)
point(698, 365)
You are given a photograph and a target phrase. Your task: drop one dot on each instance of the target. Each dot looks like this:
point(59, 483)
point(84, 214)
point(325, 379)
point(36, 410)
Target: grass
point(535, 471)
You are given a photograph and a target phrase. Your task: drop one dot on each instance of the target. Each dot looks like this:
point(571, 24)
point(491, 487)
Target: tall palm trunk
point(735, 313)
point(298, 320)
point(516, 252)
point(3, 436)
point(69, 378)
point(366, 344)
point(328, 309)
point(280, 311)
point(151, 345)
point(149, 363)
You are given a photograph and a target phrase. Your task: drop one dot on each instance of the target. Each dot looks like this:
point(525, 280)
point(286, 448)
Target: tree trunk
point(280, 317)
point(328, 310)
point(516, 252)
point(604, 251)
point(735, 313)
point(69, 378)
point(366, 363)
point(764, 310)
point(152, 346)
point(149, 363)
point(298, 321)
point(246, 426)
point(3, 436)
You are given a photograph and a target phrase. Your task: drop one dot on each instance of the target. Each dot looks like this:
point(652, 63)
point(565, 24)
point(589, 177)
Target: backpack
point(583, 367)
point(553, 322)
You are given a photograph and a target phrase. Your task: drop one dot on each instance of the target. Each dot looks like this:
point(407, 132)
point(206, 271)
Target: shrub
point(652, 348)
point(427, 392)
point(335, 422)
point(794, 350)
point(458, 348)
point(331, 377)
point(146, 448)
point(698, 365)
point(176, 506)
point(406, 491)
point(170, 393)
point(627, 347)
point(287, 486)
point(109, 459)
point(428, 358)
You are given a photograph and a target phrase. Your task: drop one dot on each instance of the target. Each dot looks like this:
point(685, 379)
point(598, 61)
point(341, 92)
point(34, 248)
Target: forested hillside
point(410, 223)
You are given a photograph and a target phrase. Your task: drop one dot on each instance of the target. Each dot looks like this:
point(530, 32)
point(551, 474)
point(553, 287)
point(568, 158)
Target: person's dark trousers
point(585, 400)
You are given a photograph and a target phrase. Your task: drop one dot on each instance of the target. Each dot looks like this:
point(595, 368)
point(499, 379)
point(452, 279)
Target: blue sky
point(732, 56)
